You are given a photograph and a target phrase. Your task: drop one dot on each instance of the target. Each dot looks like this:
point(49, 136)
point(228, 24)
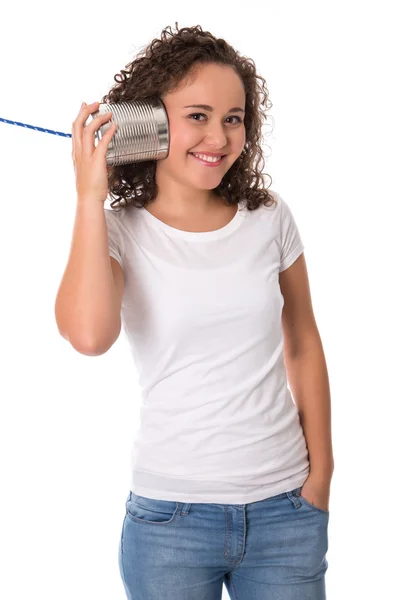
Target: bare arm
point(306, 368)
point(88, 301)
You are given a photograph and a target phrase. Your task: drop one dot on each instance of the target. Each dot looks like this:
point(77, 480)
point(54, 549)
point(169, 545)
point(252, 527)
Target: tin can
point(142, 131)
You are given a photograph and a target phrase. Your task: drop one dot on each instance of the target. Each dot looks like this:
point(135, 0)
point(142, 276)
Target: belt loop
point(185, 509)
point(293, 496)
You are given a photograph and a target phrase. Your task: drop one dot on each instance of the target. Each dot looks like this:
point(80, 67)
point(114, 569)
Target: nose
point(216, 137)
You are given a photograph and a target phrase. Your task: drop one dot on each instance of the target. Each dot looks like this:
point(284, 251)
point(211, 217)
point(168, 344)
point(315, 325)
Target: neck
point(190, 204)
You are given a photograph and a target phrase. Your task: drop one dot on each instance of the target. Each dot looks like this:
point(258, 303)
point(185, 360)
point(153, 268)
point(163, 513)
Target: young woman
point(205, 268)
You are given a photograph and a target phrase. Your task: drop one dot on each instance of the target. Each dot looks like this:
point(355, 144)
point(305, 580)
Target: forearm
point(86, 305)
point(309, 383)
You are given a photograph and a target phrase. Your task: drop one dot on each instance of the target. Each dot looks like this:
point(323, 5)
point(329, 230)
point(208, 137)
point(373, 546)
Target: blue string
point(36, 128)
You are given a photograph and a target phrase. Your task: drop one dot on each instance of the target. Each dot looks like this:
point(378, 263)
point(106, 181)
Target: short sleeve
point(115, 242)
point(291, 242)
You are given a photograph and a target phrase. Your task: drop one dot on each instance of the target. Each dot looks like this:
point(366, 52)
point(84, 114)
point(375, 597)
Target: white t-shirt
point(201, 312)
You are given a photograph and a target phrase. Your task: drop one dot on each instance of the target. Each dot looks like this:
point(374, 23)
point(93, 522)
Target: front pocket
point(310, 505)
point(150, 510)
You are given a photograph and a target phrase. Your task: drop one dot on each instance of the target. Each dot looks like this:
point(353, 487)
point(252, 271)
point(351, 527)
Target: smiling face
point(218, 130)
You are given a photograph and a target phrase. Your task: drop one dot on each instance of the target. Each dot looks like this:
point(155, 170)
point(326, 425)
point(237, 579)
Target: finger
point(78, 125)
point(88, 133)
point(104, 142)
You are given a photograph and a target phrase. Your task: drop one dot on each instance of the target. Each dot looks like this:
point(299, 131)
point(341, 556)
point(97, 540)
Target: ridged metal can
point(142, 131)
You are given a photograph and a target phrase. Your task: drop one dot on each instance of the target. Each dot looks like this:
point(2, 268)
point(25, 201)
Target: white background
point(66, 419)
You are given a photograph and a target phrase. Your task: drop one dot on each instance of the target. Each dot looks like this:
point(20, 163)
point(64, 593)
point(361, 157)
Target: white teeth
point(208, 158)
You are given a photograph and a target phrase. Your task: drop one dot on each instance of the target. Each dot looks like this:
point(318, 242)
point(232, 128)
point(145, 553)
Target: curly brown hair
point(159, 69)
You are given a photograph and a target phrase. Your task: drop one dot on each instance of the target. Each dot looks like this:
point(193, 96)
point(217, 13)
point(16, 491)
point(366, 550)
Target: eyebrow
point(207, 107)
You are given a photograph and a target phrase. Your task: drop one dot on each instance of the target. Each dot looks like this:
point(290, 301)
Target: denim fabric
point(274, 549)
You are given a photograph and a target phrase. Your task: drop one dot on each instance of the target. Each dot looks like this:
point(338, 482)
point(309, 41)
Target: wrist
point(321, 475)
point(89, 203)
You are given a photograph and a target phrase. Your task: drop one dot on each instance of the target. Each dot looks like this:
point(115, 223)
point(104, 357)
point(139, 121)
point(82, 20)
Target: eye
point(239, 120)
point(196, 115)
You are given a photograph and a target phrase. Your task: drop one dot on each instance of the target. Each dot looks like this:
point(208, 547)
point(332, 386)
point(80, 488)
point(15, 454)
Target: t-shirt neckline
point(194, 235)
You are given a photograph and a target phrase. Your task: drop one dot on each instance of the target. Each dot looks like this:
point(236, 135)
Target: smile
point(210, 162)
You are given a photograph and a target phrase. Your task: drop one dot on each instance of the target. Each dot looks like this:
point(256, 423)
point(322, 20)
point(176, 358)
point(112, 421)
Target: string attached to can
point(142, 130)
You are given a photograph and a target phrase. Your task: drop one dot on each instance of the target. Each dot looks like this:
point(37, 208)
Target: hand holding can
point(90, 164)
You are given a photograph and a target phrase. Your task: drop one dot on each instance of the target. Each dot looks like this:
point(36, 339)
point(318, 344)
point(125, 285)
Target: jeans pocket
point(307, 504)
point(150, 510)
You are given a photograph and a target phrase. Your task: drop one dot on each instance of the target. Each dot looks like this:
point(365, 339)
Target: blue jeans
point(274, 549)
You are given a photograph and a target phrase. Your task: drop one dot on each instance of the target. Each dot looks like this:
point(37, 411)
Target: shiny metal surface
point(142, 131)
